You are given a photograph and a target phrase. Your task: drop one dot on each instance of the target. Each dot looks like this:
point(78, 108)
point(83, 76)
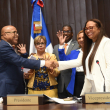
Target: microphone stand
point(102, 75)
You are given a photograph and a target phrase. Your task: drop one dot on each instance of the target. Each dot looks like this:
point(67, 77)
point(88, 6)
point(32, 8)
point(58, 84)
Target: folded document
point(61, 101)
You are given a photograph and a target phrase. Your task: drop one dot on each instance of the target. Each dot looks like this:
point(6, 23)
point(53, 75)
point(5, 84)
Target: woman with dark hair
point(96, 49)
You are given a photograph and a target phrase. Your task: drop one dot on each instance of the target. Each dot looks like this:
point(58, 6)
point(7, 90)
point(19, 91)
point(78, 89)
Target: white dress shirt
point(62, 46)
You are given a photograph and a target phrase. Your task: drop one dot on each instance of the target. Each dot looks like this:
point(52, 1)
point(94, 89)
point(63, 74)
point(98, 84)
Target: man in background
point(65, 40)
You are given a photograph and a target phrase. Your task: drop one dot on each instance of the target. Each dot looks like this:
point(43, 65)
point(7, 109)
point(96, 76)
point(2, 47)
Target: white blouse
point(88, 73)
point(79, 68)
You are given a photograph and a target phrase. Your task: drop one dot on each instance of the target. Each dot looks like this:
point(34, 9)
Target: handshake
point(51, 64)
point(48, 63)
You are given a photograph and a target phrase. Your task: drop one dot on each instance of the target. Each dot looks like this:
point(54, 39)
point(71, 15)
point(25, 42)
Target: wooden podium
point(96, 97)
point(25, 99)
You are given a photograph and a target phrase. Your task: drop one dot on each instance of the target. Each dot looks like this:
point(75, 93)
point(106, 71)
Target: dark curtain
point(56, 14)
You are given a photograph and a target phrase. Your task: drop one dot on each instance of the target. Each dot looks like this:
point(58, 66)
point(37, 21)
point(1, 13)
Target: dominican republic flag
point(38, 26)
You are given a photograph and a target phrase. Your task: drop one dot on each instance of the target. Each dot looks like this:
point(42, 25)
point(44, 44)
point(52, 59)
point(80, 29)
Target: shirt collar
point(69, 42)
point(9, 43)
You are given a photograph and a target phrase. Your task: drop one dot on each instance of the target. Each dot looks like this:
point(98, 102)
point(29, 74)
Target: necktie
point(65, 47)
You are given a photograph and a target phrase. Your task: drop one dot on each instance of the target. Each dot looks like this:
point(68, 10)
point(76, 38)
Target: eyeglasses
point(90, 28)
point(42, 43)
point(15, 32)
point(67, 31)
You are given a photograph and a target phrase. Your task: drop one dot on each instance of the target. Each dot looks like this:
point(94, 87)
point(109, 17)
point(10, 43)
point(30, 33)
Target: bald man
point(11, 76)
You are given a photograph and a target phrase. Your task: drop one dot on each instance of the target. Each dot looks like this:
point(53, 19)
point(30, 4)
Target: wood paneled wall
point(56, 13)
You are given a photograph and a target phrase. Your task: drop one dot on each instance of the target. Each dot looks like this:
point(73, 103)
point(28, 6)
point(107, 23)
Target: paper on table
point(26, 69)
point(60, 101)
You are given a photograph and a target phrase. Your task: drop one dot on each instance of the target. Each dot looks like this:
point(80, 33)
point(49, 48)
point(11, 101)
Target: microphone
point(97, 61)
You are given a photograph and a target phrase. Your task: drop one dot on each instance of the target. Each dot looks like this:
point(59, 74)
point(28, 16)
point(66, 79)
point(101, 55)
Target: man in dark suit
point(11, 77)
point(65, 38)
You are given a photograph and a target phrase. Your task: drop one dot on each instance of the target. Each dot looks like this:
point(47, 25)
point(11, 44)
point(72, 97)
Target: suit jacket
point(103, 56)
point(65, 75)
point(51, 77)
point(11, 76)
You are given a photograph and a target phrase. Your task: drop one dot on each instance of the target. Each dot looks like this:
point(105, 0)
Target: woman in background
point(79, 78)
point(43, 81)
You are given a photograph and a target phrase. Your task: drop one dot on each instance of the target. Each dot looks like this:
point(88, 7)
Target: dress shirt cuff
point(58, 67)
point(42, 63)
point(61, 46)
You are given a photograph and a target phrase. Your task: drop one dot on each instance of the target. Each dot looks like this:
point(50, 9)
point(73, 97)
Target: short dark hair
point(68, 26)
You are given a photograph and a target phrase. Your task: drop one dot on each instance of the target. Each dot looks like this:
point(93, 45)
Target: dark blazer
point(11, 76)
point(65, 75)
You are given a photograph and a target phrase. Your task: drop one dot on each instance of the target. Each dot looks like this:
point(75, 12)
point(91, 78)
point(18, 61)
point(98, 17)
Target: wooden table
point(54, 106)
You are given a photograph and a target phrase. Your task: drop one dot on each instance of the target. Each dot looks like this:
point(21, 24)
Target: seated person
point(77, 80)
point(43, 81)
